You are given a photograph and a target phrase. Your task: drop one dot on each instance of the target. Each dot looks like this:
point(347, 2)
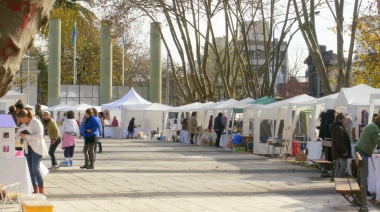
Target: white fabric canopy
point(150, 116)
point(277, 111)
point(374, 102)
point(131, 98)
point(80, 108)
point(58, 107)
point(356, 96)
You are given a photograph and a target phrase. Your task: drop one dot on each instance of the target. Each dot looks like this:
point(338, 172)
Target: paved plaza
point(137, 175)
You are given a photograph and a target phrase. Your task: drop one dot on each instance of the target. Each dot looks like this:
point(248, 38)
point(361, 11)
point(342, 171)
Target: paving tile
point(146, 176)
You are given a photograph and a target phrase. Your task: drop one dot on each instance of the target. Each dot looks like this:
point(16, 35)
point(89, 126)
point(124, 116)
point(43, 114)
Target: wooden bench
point(355, 190)
point(324, 165)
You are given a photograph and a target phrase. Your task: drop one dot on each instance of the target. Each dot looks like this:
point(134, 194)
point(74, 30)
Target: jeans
point(33, 159)
point(69, 151)
point(218, 136)
point(52, 149)
point(130, 133)
point(340, 167)
point(88, 150)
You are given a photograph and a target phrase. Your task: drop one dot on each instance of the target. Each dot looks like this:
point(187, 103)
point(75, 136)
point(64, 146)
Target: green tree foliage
point(136, 60)
point(87, 45)
point(42, 82)
point(367, 67)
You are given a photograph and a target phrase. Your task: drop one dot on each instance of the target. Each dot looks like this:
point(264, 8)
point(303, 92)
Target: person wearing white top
point(70, 130)
point(32, 132)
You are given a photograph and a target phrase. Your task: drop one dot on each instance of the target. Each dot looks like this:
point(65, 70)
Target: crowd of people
point(32, 126)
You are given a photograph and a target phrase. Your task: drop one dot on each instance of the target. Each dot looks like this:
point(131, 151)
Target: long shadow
point(184, 171)
point(138, 194)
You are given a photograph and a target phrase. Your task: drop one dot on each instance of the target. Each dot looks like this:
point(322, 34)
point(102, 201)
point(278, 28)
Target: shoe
point(84, 167)
point(71, 163)
point(90, 167)
point(55, 167)
point(65, 164)
point(100, 151)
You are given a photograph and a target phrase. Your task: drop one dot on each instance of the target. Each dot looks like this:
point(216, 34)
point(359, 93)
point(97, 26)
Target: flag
point(123, 38)
point(74, 34)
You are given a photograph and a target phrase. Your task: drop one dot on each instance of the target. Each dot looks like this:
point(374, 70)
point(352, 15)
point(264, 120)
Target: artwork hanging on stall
point(6, 135)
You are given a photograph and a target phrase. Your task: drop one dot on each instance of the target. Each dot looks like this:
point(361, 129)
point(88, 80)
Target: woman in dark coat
point(340, 144)
point(131, 127)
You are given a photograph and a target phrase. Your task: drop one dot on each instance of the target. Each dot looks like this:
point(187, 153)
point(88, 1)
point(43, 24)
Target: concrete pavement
point(137, 175)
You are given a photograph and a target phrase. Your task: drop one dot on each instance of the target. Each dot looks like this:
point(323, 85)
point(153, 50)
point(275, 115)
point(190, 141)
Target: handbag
point(68, 140)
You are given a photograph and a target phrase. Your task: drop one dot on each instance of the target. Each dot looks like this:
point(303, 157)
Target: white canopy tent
point(374, 102)
point(131, 98)
point(152, 116)
point(353, 101)
point(80, 108)
point(57, 108)
point(274, 112)
point(316, 106)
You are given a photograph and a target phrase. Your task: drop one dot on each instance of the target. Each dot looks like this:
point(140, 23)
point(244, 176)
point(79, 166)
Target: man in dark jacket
point(219, 125)
point(340, 144)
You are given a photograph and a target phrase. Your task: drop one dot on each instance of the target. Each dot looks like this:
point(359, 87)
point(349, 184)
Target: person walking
point(70, 131)
point(340, 145)
point(89, 131)
point(219, 125)
point(193, 126)
point(32, 132)
point(55, 138)
point(131, 127)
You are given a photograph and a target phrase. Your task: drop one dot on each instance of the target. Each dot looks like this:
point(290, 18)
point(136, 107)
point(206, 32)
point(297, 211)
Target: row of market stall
point(261, 119)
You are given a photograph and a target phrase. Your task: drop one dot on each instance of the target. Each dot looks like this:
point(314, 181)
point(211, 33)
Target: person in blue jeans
point(89, 131)
point(32, 132)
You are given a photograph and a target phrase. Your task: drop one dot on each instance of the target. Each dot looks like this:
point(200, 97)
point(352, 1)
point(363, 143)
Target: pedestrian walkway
point(136, 175)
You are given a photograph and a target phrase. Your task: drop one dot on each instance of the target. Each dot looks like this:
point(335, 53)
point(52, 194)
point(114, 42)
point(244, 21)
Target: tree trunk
point(19, 22)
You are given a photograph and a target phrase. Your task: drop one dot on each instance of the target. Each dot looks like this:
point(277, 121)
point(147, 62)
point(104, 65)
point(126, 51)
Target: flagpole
point(75, 53)
point(122, 61)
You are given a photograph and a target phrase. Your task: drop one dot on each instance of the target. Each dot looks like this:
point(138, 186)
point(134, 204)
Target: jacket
point(193, 124)
point(36, 137)
point(52, 129)
point(92, 123)
point(340, 143)
point(219, 123)
point(369, 138)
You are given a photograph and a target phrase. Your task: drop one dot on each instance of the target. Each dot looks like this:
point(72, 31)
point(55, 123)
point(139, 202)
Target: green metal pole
point(54, 68)
point(155, 82)
point(105, 63)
